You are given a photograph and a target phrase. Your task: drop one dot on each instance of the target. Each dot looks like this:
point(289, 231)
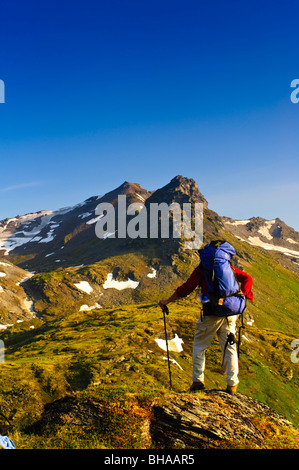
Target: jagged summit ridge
point(271, 235)
point(47, 240)
point(50, 239)
point(179, 189)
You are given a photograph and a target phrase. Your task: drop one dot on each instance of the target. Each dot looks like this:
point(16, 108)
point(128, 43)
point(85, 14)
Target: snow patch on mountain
point(239, 222)
point(84, 215)
point(16, 231)
point(4, 327)
point(29, 305)
point(152, 274)
point(29, 228)
point(111, 283)
point(140, 197)
point(264, 230)
point(94, 220)
point(108, 234)
point(86, 308)
point(50, 235)
point(174, 344)
point(84, 286)
point(174, 362)
point(24, 280)
point(290, 240)
point(271, 235)
point(256, 241)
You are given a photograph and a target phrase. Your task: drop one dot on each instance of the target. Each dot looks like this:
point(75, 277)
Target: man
point(208, 325)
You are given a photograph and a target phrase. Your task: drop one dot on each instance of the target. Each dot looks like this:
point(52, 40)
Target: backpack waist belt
point(236, 294)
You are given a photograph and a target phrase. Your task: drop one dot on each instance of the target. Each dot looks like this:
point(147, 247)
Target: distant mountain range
point(46, 240)
point(61, 251)
point(272, 235)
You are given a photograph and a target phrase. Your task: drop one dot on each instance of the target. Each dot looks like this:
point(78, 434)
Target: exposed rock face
point(14, 303)
point(179, 189)
point(207, 420)
point(212, 419)
point(271, 235)
point(47, 240)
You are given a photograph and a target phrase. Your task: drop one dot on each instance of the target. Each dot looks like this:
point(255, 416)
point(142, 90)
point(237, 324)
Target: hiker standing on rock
point(222, 300)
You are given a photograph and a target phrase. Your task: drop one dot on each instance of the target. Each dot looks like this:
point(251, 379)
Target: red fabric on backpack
point(197, 279)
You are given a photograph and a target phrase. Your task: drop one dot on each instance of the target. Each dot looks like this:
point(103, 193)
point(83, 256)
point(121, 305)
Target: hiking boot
point(231, 389)
point(196, 386)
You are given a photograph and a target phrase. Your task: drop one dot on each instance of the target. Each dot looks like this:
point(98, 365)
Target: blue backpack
point(223, 296)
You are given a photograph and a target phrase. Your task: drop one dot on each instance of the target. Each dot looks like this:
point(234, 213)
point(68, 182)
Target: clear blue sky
point(99, 92)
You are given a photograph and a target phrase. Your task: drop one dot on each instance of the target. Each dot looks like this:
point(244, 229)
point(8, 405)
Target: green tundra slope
point(112, 352)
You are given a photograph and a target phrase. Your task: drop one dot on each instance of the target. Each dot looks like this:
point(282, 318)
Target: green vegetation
point(56, 294)
point(108, 357)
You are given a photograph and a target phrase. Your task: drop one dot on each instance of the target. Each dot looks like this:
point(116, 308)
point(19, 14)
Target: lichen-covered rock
point(207, 420)
point(211, 419)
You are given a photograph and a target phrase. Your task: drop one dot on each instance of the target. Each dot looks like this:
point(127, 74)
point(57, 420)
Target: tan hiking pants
point(205, 330)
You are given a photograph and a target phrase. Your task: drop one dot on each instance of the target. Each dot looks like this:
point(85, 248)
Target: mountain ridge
point(49, 239)
point(65, 252)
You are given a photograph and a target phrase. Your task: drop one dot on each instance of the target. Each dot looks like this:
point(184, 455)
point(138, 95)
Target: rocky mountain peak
point(47, 240)
point(133, 191)
point(271, 235)
point(127, 187)
point(179, 189)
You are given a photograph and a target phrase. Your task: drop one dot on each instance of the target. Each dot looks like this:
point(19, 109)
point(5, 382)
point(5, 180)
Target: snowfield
point(84, 286)
point(18, 231)
point(255, 241)
point(264, 230)
point(10, 240)
point(111, 283)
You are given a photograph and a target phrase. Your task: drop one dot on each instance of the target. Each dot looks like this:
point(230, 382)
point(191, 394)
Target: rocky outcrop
point(179, 189)
point(274, 236)
point(213, 419)
point(207, 420)
point(15, 305)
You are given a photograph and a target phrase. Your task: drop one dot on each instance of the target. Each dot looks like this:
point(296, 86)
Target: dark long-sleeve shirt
point(197, 279)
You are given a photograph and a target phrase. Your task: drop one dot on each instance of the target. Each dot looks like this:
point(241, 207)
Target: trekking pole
point(240, 333)
point(165, 310)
